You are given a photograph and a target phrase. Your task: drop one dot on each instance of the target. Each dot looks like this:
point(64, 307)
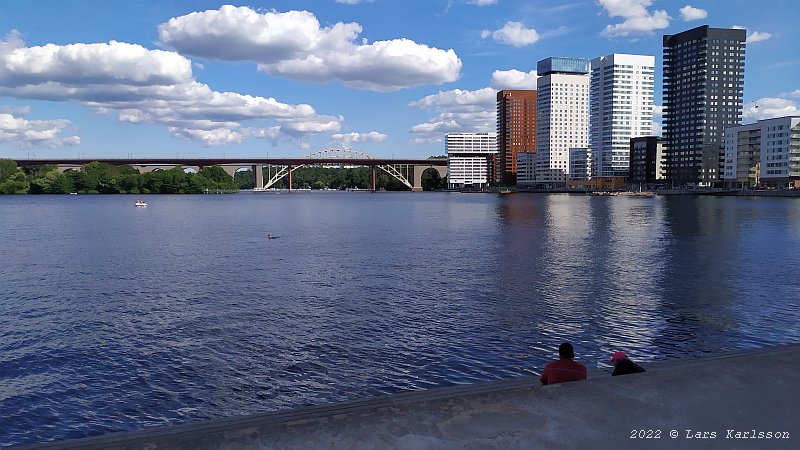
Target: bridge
point(407, 170)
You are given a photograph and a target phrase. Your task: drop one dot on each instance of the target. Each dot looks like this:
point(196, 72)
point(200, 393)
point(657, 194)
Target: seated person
point(564, 369)
point(623, 365)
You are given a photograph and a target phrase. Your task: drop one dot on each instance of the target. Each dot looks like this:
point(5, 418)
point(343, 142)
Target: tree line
point(102, 178)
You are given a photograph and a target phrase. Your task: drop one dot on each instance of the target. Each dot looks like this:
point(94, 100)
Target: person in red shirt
point(564, 369)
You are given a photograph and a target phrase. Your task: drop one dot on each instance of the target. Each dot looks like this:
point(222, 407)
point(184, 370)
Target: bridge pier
point(417, 186)
point(258, 171)
point(290, 178)
point(374, 177)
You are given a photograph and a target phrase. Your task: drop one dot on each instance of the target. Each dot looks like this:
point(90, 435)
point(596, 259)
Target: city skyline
point(202, 79)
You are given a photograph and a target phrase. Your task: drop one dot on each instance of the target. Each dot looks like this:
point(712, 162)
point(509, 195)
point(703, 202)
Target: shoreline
point(679, 192)
point(713, 402)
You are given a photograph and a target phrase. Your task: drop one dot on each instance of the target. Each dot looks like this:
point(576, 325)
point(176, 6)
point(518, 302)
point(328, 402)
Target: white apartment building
point(468, 158)
point(620, 108)
point(562, 116)
point(765, 153)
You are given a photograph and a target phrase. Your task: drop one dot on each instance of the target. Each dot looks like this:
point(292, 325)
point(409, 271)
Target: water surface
point(119, 318)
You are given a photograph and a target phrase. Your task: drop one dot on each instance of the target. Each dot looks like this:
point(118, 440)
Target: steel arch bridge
point(342, 156)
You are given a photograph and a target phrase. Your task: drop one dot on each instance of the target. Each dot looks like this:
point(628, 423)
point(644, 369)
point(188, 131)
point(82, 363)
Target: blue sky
point(285, 78)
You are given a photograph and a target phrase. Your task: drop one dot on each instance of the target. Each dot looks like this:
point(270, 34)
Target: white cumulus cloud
point(145, 86)
point(769, 107)
point(638, 20)
point(457, 98)
point(513, 33)
point(318, 124)
point(482, 2)
point(348, 139)
point(658, 114)
point(758, 36)
point(514, 79)
point(755, 36)
point(219, 136)
point(690, 13)
point(294, 45)
point(457, 111)
point(41, 133)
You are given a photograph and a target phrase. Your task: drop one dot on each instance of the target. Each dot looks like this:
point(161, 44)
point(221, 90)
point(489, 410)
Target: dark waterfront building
point(646, 161)
point(516, 131)
point(703, 84)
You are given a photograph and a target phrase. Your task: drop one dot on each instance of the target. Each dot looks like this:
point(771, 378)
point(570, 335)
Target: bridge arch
point(419, 170)
point(402, 173)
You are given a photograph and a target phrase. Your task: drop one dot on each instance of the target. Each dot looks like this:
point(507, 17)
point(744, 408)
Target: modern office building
point(765, 153)
point(526, 169)
point(581, 164)
point(562, 116)
point(469, 156)
point(703, 84)
point(620, 108)
point(646, 162)
point(516, 131)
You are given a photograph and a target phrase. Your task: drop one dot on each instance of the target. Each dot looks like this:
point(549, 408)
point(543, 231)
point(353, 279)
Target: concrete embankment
point(744, 400)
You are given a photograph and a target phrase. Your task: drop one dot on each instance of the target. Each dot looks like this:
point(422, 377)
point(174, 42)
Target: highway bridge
point(407, 170)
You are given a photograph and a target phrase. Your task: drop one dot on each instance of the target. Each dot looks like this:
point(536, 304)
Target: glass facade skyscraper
point(561, 64)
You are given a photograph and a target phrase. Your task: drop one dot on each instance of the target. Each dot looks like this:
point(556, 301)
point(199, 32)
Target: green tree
point(217, 174)
point(52, 182)
point(130, 183)
point(95, 177)
point(173, 180)
point(244, 179)
point(7, 169)
point(17, 183)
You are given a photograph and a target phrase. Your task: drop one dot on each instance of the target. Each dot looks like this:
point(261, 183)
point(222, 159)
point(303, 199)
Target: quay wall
point(715, 402)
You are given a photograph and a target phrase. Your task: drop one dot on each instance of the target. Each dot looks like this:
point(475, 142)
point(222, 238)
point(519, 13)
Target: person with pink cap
point(623, 365)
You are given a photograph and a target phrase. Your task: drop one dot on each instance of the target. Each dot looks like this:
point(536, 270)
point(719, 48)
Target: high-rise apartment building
point(620, 108)
point(703, 84)
point(516, 131)
point(468, 158)
point(766, 153)
point(562, 116)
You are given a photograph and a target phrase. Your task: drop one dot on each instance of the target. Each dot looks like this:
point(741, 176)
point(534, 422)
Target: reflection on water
point(117, 318)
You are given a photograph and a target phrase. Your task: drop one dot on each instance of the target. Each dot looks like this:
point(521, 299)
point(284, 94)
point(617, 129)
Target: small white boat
point(141, 204)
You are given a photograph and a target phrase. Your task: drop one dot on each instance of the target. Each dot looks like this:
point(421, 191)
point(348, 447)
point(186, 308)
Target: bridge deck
point(241, 161)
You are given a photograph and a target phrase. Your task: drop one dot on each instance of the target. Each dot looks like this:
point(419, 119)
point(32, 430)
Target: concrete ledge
point(744, 391)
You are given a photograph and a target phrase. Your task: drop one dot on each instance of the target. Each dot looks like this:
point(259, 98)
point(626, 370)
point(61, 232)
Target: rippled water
point(119, 318)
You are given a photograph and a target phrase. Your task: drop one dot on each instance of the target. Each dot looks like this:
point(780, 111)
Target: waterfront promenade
point(718, 397)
